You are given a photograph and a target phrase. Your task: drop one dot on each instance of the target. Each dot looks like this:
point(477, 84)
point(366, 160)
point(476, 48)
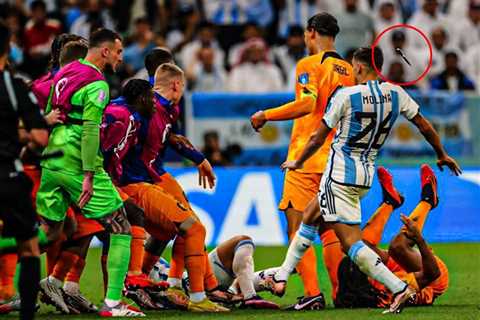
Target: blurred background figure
point(472, 64)
point(142, 43)
point(467, 29)
point(255, 73)
point(356, 28)
point(396, 73)
point(250, 31)
point(214, 154)
point(440, 46)
point(386, 14)
point(203, 75)
point(452, 78)
point(427, 18)
point(94, 15)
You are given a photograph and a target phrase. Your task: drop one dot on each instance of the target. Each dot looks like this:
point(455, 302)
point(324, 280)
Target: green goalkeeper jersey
point(92, 99)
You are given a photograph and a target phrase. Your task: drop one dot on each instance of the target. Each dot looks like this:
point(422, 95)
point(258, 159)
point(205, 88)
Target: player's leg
point(401, 247)
point(8, 267)
point(153, 251)
point(392, 199)
point(332, 255)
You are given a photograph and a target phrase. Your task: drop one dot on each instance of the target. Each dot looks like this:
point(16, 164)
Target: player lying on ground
point(165, 216)
point(420, 268)
point(233, 267)
point(318, 76)
point(364, 114)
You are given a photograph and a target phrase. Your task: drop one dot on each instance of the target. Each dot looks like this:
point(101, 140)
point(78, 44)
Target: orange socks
point(307, 269)
point(419, 214)
point(137, 250)
point(373, 230)
point(149, 261)
point(195, 256)
point(76, 271)
point(177, 263)
point(8, 266)
point(210, 281)
point(64, 263)
point(332, 256)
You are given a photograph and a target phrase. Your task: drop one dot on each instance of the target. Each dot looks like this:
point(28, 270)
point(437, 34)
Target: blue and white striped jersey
point(363, 116)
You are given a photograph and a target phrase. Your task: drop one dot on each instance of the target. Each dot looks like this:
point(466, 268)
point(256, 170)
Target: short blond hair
point(167, 72)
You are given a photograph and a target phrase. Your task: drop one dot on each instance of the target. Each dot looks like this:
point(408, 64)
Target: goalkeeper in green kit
point(80, 92)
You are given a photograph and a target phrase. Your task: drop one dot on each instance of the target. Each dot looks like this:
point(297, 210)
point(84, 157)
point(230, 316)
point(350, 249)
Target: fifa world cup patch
point(101, 96)
point(303, 78)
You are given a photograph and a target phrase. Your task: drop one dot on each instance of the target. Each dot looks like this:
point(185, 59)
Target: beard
point(109, 69)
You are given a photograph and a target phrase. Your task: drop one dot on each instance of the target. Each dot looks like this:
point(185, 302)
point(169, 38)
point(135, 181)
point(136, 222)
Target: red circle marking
point(396, 26)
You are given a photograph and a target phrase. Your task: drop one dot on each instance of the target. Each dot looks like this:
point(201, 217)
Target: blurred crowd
point(253, 45)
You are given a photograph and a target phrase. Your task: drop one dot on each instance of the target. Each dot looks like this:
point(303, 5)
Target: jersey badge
point(303, 78)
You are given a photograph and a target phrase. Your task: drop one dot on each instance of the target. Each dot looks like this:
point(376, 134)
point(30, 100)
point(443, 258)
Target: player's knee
point(240, 238)
point(135, 214)
point(117, 223)
point(193, 227)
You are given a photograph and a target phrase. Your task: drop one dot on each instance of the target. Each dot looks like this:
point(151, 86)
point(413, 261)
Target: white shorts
point(224, 277)
point(340, 203)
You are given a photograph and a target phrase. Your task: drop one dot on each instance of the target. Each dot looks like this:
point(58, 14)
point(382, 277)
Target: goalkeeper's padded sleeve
point(90, 145)
point(292, 110)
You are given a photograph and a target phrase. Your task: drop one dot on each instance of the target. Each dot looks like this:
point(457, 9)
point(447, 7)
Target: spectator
point(426, 19)
point(38, 36)
point(467, 30)
point(439, 48)
point(452, 78)
point(288, 55)
point(184, 30)
point(214, 154)
point(135, 53)
point(386, 14)
point(202, 73)
point(472, 64)
point(294, 12)
point(205, 38)
point(255, 73)
point(93, 16)
point(396, 73)
point(13, 21)
point(228, 12)
point(250, 30)
point(356, 28)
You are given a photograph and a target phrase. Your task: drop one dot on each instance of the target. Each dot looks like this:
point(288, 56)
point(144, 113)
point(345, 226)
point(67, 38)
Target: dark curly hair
point(135, 89)
point(58, 43)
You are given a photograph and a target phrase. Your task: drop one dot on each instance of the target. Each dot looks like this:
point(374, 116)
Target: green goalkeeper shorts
point(59, 190)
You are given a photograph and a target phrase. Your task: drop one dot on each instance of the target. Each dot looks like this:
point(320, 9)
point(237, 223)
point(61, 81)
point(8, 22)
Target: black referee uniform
point(16, 209)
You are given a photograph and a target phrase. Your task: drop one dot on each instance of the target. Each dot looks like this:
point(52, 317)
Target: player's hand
point(53, 117)
point(411, 231)
point(178, 139)
point(87, 189)
point(291, 165)
point(448, 161)
point(205, 174)
point(258, 120)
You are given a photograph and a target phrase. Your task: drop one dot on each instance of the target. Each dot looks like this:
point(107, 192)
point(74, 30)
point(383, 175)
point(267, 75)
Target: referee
point(16, 210)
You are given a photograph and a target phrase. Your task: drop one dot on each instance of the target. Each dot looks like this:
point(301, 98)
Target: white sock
point(261, 275)
point(71, 287)
point(301, 242)
point(175, 282)
point(243, 268)
point(111, 303)
point(57, 283)
point(370, 263)
point(197, 296)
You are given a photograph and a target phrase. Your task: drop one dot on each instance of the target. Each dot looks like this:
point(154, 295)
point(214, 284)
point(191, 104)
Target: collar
point(162, 100)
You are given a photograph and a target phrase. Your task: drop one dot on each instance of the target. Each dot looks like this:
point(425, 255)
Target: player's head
point(138, 94)
point(58, 43)
point(106, 45)
point(322, 26)
point(363, 67)
point(170, 81)
point(4, 41)
point(72, 51)
point(155, 58)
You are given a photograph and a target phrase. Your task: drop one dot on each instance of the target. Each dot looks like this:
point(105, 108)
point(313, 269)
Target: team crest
point(101, 96)
point(303, 78)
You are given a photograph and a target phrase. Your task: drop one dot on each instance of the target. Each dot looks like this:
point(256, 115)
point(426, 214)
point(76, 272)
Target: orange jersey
point(319, 75)
point(425, 296)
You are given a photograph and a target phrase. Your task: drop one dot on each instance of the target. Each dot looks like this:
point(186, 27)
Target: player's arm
point(430, 270)
point(432, 137)
point(95, 101)
point(330, 119)
point(186, 149)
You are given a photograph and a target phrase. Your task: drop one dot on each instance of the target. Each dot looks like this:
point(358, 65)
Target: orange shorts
point(299, 189)
point(86, 227)
point(35, 175)
point(122, 194)
point(427, 295)
point(163, 213)
point(171, 186)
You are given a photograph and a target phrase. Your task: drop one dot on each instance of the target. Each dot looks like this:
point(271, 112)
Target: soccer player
point(318, 76)
point(364, 115)
point(17, 214)
point(81, 93)
point(420, 268)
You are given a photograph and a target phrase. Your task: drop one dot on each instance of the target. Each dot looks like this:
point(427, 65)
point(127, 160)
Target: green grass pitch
point(461, 301)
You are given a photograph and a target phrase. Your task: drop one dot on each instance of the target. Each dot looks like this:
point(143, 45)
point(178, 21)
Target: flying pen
point(400, 52)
